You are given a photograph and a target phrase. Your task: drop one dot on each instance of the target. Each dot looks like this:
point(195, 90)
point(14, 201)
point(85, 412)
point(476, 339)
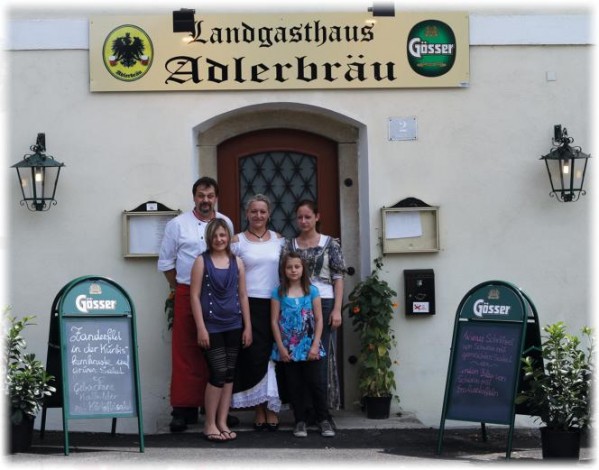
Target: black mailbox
point(420, 291)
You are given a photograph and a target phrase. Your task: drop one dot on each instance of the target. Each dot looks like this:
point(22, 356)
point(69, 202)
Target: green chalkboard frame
point(103, 303)
point(489, 315)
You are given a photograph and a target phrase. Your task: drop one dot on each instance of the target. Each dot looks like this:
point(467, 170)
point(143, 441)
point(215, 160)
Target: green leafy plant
point(26, 383)
point(559, 394)
point(370, 308)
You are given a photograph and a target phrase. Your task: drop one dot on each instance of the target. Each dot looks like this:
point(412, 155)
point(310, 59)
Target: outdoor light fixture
point(38, 176)
point(383, 8)
point(566, 166)
point(184, 21)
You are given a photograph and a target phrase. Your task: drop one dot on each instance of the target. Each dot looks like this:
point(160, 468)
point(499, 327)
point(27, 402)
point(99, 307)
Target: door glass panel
point(285, 177)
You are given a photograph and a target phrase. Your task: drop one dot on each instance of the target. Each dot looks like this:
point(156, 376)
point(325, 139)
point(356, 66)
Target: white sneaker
point(300, 429)
point(326, 430)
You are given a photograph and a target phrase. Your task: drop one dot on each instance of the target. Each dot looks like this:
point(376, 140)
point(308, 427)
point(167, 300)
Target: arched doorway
point(343, 134)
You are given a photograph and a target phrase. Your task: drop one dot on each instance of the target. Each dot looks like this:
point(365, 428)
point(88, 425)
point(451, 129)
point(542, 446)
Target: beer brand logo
point(84, 304)
point(128, 53)
point(95, 289)
point(482, 308)
point(431, 48)
point(493, 294)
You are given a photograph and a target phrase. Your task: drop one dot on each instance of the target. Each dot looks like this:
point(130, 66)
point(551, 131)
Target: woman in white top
point(255, 380)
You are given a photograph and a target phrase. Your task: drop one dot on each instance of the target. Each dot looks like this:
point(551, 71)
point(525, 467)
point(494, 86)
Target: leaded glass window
point(285, 177)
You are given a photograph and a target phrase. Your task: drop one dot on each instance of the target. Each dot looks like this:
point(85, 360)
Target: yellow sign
point(280, 52)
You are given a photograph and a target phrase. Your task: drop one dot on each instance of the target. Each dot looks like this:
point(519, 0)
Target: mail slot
point(419, 291)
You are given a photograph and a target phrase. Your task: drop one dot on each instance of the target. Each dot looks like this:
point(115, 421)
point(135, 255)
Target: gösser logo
point(128, 53)
point(431, 48)
point(85, 304)
point(483, 308)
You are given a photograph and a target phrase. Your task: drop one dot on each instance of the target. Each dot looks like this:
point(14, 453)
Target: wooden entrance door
point(287, 166)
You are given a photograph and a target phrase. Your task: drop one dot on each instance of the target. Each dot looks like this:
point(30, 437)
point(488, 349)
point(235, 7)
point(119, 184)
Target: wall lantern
point(566, 166)
point(38, 176)
point(183, 21)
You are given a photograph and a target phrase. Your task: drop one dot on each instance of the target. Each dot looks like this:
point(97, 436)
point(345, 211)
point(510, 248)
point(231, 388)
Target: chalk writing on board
point(484, 373)
point(484, 353)
point(99, 366)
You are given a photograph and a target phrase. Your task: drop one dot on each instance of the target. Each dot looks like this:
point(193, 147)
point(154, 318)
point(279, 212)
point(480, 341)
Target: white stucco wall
point(476, 156)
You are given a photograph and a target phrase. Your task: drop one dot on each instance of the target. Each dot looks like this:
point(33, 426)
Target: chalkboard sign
point(92, 350)
point(99, 367)
point(485, 372)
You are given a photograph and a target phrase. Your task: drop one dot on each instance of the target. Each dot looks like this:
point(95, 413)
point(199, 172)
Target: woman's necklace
point(259, 237)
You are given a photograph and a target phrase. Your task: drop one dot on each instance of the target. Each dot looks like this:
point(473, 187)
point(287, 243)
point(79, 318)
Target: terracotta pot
point(559, 444)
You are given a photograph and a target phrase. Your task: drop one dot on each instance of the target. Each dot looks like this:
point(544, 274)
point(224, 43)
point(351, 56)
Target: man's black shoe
point(191, 417)
point(232, 421)
point(187, 413)
point(178, 424)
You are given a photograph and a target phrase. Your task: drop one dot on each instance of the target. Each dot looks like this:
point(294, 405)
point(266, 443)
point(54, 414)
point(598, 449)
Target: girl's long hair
point(211, 228)
point(304, 280)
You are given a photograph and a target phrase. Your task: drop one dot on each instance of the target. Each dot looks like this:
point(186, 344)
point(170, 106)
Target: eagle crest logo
point(128, 53)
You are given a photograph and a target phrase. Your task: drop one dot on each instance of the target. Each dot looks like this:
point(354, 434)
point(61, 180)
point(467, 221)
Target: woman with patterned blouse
point(326, 269)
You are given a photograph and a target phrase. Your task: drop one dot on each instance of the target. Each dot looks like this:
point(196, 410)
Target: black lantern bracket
point(184, 21)
point(566, 166)
point(38, 177)
point(382, 8)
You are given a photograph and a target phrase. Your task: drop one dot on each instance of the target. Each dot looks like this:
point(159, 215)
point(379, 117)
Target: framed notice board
point(485, 370)
point(92, 352)
point(410, 226)
point(143, 229)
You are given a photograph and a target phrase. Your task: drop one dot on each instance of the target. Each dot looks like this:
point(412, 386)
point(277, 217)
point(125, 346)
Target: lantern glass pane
point(578, 167)
point(556, 173)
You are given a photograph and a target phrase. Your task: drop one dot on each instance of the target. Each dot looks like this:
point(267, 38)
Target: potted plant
point(370, 308)
point(26, 384)
point(559, 393)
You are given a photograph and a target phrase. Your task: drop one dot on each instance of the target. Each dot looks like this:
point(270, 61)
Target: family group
point(255, 316)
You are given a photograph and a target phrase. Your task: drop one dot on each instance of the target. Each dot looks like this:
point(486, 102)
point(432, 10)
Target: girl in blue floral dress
point(296, 319)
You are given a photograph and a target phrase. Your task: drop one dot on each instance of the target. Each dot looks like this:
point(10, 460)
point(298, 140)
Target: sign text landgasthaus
point(270, 52)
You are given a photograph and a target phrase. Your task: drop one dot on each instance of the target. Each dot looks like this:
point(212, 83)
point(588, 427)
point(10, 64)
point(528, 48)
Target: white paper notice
point(145, 234)
point(403, 225)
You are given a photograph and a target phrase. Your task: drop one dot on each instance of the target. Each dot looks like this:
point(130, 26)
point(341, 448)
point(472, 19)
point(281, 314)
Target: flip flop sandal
point(229, 435)
point(214, 437)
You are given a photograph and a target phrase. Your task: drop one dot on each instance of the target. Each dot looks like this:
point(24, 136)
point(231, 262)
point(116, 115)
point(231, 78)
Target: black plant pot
point(377, 407)
point(559, 444)
point(21, 435)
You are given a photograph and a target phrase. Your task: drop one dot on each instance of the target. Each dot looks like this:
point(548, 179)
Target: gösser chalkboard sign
point(92, 352)
point(489, 340)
